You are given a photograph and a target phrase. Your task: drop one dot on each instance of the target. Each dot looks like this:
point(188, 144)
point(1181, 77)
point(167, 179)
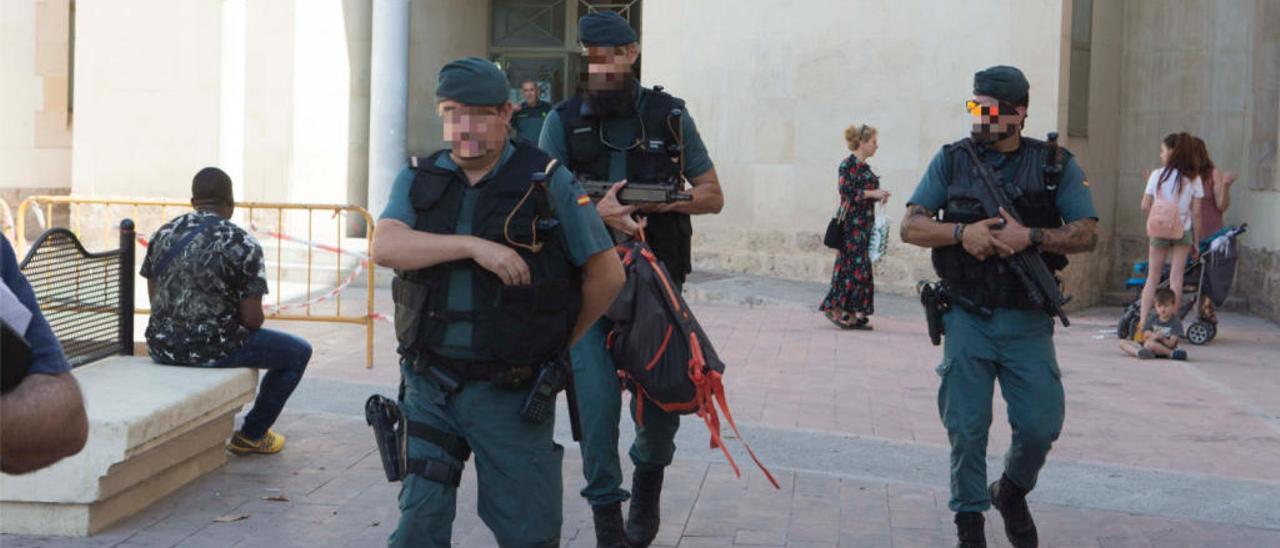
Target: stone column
point(388, 98)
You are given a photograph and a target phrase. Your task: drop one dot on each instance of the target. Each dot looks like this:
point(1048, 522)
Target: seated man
point(42, 416)
point(206, 279)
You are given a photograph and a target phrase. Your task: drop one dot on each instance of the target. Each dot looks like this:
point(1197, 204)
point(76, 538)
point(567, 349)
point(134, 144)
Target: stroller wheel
point(1127, 325)
point(1201, 332)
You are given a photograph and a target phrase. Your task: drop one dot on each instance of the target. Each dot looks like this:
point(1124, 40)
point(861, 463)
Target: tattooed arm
point(920, 228)
point(1074, 237)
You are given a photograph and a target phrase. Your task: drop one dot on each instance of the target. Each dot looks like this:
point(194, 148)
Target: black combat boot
point(642, 519)
point(969, 529)
point(1011, 500)
point(609, 531)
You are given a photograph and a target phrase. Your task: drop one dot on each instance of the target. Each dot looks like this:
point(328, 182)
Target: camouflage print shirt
point(195, 312)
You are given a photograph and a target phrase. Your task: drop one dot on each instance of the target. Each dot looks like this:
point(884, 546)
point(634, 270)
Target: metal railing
point(87, 298)
point(42, 208)
point(7, 226)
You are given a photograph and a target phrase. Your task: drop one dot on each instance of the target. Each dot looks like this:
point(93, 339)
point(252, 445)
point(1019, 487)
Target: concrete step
point(294, 252)
point(1117, 297)
point(1236, 304)
point(381, 278)
point(322, 275)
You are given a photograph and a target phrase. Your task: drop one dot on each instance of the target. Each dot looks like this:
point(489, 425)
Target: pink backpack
point(1164, 221)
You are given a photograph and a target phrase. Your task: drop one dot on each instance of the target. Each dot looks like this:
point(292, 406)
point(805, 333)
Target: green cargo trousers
point(600, 405)
point(517, 467)
point(1016, 348)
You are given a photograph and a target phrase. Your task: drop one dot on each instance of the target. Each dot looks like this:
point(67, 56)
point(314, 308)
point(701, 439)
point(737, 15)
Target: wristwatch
point(1037, 237)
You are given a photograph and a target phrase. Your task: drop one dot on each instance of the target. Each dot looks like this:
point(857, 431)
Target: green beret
point(472, 81)
point(605, 28)
point(1003, 82)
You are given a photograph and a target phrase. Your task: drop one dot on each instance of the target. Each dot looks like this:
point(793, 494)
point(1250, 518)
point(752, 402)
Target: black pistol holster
point(937, 299)
point(391, 431)
point(383, 415)
point(934, 307)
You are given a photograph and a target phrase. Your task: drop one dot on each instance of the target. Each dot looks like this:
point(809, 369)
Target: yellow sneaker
point(269, 444)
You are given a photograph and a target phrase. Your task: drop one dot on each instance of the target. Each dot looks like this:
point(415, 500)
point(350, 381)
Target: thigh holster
point(436, 470)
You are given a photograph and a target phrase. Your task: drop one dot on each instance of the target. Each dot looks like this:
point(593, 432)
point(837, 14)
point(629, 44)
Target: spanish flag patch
point(584, 200)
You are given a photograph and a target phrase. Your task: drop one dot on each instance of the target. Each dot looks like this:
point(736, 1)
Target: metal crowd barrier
point(42, 208)
point(7, 226)
point(87, 298)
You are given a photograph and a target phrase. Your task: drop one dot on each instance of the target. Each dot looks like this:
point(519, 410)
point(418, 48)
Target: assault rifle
point(1039, 281)
point(638, 193)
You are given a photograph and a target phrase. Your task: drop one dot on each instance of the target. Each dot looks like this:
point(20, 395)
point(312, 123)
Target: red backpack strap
point(710, 391)
point(718, 390)
point(669, 289)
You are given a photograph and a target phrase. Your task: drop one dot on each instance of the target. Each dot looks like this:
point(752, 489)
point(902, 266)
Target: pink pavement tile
point(1216, 414)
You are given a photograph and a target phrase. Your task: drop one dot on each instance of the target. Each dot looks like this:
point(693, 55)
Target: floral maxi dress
point(852, 288)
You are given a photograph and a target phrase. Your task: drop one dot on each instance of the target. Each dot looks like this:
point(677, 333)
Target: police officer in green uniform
point(620, 131)
point(1015, 344)
point(532, 112)
point(498, 269)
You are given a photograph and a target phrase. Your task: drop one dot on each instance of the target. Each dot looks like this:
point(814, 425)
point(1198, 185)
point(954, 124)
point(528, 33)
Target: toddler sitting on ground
point(1160, 331)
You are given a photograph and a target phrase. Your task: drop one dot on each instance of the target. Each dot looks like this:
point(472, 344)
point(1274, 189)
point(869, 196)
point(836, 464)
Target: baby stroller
point(1210, 275)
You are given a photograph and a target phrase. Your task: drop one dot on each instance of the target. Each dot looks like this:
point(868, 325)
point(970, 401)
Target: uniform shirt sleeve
point(398, 205)
point(552, 139)
point(931, 193)
point(696, 159)
point(581, 230)
point(1075, 200)
point(46, 352)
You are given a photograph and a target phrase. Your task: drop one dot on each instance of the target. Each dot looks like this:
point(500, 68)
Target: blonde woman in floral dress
point(850, 303)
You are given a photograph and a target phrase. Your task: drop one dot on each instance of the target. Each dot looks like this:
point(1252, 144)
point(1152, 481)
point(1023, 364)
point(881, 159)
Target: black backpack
point(661, 352)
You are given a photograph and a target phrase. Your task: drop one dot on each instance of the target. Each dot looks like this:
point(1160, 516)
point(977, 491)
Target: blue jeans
point(284, 357)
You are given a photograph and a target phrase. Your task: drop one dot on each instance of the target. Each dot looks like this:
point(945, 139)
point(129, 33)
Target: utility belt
point(450, 373)
point(1012, 295)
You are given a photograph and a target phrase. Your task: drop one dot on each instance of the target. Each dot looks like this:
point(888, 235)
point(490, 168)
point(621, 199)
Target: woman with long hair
point(849, 303)
point(1177, 181)
point(1217, 198)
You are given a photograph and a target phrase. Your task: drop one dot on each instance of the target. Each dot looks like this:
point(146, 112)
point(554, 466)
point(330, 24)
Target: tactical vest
point(991, 283)
point(654, 160)
point(537, 111)
point(516, 325)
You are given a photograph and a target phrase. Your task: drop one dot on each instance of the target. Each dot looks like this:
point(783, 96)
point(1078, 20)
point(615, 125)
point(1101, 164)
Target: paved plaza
point(1153, 453)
